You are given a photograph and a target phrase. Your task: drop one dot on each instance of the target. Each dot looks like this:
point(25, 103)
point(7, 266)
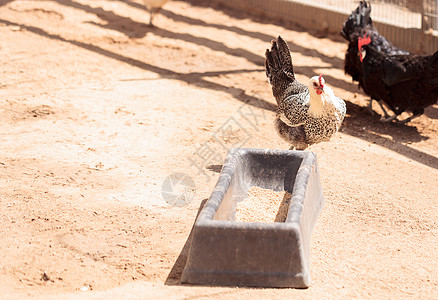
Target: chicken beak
point(320, 90)
point(360, 56)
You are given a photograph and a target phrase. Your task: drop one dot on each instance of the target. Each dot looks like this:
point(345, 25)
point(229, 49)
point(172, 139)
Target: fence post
point(424, 18)
point(424, 26)
point(435, 16)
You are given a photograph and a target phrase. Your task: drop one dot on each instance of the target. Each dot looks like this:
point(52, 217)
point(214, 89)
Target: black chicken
point(358, 23)
point(405, 82)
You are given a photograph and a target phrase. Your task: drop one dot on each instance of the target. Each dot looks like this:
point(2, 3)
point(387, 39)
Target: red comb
point(320, 83)
point(365, 40)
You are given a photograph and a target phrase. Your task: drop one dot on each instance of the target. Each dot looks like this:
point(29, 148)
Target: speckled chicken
point(153, 7)
point(306, 115)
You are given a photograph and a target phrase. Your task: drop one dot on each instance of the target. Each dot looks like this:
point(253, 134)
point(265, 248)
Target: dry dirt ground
point(97, 110)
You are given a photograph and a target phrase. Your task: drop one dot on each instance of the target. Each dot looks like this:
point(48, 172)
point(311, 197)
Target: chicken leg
point(415, 114)
point(153, 6)
point(152, 12)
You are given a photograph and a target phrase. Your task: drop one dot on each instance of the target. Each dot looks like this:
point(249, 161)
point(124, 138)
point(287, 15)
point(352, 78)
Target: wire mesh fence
point(420, 14)
point(409, 24)
point(430, 14)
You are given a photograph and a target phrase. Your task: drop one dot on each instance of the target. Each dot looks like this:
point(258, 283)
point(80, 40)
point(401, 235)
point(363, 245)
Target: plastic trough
point(226, 252)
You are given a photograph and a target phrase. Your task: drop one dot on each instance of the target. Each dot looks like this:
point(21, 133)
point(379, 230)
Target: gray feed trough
point(226, 252)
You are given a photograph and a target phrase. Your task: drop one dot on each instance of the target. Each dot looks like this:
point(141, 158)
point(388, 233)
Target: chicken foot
point(386, 118)
point(415, 114)
point(389, 119)
point(370, 108)
point(152, 12)
point(383, 109)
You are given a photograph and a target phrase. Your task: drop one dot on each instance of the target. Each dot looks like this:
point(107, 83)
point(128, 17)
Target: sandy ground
point(98, 109)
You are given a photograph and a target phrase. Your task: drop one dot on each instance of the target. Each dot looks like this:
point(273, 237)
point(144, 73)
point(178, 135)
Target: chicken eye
point(314, 84)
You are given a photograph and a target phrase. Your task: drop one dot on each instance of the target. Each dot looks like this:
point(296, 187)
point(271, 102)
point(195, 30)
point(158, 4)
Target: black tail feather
point(358, 20)
point(279, 67)
point(433, 76)
point(278, 61)
point(434, 60)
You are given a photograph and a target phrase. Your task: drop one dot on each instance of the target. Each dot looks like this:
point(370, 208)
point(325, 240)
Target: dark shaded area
point(4, 2)
point(358, 122)
point(215, 168)
point(174, 277)
point(283, 208)
point(134, 29)
point(361, 124)
point(432, 111)
point(237, 93)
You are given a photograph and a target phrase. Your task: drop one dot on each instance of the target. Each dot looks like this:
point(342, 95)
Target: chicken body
point(306, 115)
point(404, 82)
point(153, 7)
